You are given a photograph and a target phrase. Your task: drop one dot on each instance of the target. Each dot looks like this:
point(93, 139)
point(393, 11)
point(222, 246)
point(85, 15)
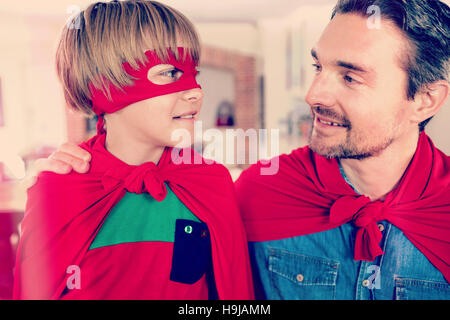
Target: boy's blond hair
point(95, 44)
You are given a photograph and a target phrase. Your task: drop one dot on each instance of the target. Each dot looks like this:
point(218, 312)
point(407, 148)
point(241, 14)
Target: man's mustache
point(329, 113)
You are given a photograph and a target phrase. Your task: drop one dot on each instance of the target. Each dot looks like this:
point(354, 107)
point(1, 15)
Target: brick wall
point(244, 69)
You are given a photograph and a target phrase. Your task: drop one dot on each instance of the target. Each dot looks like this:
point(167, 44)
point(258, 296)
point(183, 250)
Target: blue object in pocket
point(191, 251)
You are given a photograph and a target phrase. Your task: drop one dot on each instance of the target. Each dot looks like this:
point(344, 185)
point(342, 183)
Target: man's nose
point(322, 91)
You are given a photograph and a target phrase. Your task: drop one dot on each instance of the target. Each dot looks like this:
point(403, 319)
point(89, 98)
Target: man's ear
point(430, 100)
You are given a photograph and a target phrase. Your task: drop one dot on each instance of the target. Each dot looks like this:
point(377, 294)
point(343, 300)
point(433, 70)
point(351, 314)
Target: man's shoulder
point(441, 154)
point(281, 165)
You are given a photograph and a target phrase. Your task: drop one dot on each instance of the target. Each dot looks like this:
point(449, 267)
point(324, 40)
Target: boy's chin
point(180, 144)
point(181, 138)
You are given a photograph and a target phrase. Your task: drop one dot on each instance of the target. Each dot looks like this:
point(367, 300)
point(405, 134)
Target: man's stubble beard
point(353, 147)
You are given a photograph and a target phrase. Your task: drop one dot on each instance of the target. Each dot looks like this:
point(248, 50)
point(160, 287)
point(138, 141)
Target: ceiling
point(239, 10)
point(196, 10)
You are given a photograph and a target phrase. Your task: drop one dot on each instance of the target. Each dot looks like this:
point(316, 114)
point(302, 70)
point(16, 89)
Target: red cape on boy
point(65, 212)
point(309, 195)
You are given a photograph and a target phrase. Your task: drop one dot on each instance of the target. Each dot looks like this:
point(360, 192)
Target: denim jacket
point(321, 266)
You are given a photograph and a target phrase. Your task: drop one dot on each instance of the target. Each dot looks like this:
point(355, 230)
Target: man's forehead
point(348, 38)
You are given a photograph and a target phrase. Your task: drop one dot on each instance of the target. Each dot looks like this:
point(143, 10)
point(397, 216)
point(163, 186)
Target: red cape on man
point(309, 195)
point(65, 212)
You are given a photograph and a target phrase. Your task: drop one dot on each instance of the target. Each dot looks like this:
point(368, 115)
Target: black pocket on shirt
point(191, 251)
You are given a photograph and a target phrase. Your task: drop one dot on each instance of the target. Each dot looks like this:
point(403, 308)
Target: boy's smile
point(190, 115)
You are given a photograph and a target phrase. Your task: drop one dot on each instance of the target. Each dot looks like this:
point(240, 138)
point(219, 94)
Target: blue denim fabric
point(321, 266)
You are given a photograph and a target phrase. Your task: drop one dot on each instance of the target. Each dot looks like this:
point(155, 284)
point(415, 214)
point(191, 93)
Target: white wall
point(33, 107)
point(309, 21)
point(240, 37)
point(438, 129)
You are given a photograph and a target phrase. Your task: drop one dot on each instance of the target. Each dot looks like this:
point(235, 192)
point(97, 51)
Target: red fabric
point(309, 195)
point(64, 213)
point(142, 87)
point(7, 229)
point(145, 277)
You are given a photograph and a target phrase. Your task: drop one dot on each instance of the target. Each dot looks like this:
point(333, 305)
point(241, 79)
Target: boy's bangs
point(116, 32)
point(136, 27)
point(157, 28)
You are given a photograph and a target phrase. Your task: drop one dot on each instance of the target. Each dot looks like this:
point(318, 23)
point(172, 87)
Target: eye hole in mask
point(162, 74)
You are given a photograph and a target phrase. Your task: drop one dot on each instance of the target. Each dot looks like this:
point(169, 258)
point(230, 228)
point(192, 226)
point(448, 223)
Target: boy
point(139, 224)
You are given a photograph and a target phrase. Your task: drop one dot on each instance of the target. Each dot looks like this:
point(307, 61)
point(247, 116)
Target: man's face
point(358, 96)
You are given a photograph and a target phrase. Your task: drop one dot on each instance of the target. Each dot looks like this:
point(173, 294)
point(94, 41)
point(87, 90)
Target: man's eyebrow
point(352, 66)
point(314, 54)
point(344, 64)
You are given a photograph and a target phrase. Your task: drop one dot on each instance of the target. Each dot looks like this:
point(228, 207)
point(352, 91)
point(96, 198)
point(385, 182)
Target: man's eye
point(316, 67)
point(349, 79)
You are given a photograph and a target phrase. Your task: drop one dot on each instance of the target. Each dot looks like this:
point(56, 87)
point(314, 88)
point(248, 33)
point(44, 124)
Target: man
point(363, 212)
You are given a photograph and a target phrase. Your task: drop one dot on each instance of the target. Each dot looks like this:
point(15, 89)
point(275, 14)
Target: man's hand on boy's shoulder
point(68, 157)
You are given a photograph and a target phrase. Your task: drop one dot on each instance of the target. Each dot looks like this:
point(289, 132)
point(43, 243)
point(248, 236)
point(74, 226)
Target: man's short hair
point(98, 40)
point(425, 23)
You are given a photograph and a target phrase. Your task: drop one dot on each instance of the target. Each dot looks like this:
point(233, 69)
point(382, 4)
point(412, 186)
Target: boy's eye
point(164, 74)
point(167, 73)
point(175, 74)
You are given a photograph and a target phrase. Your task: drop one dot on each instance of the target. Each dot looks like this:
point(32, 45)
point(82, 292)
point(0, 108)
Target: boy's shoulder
point(50, 184)
point(46, 178)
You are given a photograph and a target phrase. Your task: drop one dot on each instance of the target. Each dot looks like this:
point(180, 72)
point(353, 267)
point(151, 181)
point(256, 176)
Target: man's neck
point(378, 175)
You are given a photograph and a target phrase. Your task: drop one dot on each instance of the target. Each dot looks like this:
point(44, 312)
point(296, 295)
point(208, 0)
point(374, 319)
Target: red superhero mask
point(142, 87)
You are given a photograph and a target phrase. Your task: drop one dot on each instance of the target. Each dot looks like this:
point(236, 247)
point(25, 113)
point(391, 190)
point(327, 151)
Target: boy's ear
point(430, 100)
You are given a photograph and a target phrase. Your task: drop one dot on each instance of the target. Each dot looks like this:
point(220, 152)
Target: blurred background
point(255, 71)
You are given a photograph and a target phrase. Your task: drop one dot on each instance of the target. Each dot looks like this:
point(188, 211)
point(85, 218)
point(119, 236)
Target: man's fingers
point(75, 151)
point(53, 165)
point(77, 164)
point(40, 165)
point(69, 156)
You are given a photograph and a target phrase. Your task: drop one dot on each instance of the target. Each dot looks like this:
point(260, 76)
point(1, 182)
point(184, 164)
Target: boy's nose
point(194, 94)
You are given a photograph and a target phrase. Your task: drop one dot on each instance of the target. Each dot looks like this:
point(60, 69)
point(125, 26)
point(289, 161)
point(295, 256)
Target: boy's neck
point(376, 176)
point(132, 151)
